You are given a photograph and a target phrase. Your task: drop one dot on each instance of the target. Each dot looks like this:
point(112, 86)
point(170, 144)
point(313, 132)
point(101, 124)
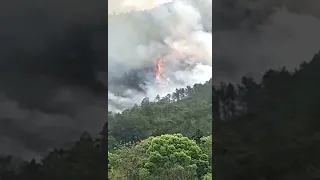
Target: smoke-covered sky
point(178, 32)
point(53, 57)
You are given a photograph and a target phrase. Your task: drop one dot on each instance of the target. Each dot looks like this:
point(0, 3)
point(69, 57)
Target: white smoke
point(140, 33)
point(126, 6)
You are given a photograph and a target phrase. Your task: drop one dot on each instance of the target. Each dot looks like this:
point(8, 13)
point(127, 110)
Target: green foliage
point(127, 163)
point(111, 159)
point(208, 176)
point(144, 141)
point(274, 134)
point(206, 147)
point(267, 130)
point(171, 151)
point(183, 111)
point(167, 156)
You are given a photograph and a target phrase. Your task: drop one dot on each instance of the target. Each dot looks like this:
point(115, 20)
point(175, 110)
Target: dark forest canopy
point(267, 130)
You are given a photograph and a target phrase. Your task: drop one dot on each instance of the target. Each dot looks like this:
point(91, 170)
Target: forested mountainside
point(168, 138)
point(183, 117)
point(278, 134)
point(268, 130)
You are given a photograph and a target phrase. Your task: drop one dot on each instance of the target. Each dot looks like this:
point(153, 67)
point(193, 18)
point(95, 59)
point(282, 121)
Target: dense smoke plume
point(177, 32)
point(249, 37)
point(53, 57)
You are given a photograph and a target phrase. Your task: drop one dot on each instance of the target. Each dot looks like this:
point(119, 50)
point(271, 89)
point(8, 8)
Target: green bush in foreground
point(169, 156)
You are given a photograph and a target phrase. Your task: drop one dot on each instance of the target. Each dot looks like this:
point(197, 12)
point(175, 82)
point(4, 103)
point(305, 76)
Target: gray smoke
point(53, 57)
point(177, 32)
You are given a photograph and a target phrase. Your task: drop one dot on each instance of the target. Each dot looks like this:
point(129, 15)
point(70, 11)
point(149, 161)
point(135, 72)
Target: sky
point(62, 67)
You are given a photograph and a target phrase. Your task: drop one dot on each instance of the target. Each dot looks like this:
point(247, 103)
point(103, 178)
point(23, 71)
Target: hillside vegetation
point(268, 130)
point(166, 138)
point(277, 134)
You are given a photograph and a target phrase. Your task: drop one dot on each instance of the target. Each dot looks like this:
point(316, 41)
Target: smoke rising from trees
point(53, 58)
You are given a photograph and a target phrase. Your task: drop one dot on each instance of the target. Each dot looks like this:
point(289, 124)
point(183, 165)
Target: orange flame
point(158, 72)
point(159, 66)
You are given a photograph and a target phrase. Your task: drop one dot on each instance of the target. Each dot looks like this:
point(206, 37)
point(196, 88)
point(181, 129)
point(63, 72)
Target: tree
point(206, 146)
point(175, 150)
